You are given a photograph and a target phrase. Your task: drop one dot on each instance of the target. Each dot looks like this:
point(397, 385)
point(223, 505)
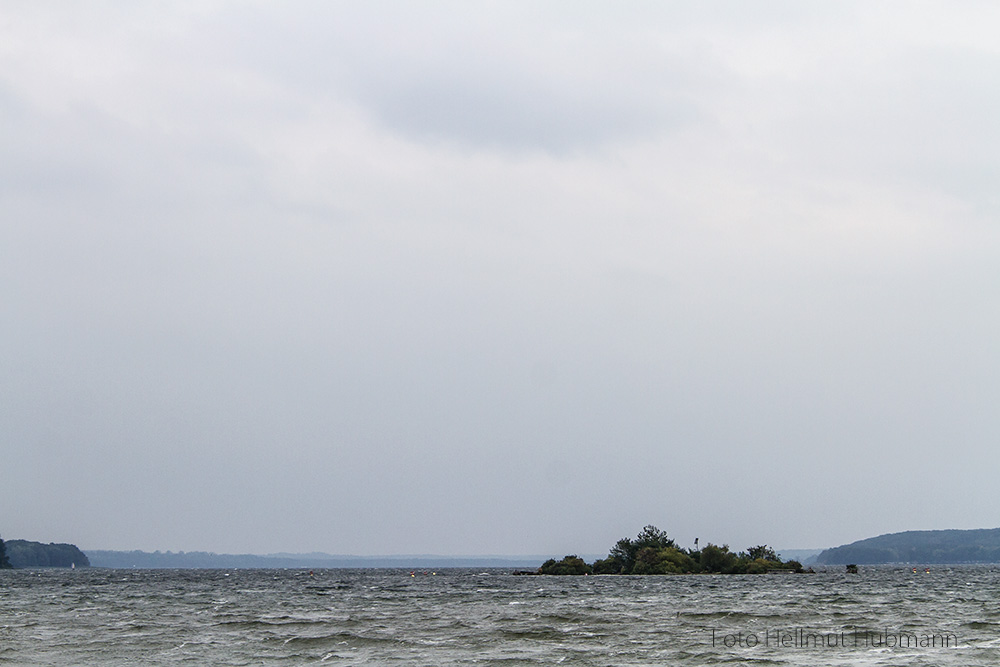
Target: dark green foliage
point(35, 554)
point(651, 536)
point(718, 560)
point(653, 552)
point(625, 553)
point(4, 561)
point(667, 560)
point(568, 565)
point(609, 565)
point(762, 552)
point(755, 560)
point(793, 565)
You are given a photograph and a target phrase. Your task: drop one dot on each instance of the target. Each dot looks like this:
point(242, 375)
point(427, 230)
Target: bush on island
point(568, 565)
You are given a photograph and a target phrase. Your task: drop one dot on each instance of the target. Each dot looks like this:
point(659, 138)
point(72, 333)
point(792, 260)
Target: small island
point(653, 552)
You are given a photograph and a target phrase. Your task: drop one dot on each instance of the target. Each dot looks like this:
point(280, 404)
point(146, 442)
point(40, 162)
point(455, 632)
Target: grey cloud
point(481, 111)
point(404, 279)
point(452, 74)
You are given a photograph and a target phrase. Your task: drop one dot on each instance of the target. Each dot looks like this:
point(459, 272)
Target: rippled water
point(459, 617)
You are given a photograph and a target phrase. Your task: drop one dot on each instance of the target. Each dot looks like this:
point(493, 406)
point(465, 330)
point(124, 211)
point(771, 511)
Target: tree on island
point(653, 552)
point(568, 565)
point(4, 561)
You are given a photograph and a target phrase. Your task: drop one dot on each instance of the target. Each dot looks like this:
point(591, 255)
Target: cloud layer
point(496, 278)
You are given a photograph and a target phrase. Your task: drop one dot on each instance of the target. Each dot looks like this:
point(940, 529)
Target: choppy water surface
point(460, 617)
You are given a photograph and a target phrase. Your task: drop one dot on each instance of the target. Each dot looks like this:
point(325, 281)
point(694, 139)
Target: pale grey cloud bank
point(496, 278)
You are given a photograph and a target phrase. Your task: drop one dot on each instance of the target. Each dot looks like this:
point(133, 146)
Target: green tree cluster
point(568, 565)
point(653, 552)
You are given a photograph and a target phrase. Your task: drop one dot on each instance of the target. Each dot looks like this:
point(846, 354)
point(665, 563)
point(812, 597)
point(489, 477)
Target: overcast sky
point(497, 278)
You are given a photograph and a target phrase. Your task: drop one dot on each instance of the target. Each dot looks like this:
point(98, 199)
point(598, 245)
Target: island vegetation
point(653, 552)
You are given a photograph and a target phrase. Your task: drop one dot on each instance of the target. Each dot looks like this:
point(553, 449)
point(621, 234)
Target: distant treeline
point(208, 560)
point(919, 546)
point(653, 552)
point(22, 553)
point(190, 559)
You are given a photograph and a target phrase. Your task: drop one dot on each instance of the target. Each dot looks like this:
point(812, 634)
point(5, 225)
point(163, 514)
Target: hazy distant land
point(23, 553)
point(202, 559)
point(919, 546)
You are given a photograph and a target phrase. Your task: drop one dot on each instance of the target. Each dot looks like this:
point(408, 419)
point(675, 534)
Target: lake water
point(466, 617)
